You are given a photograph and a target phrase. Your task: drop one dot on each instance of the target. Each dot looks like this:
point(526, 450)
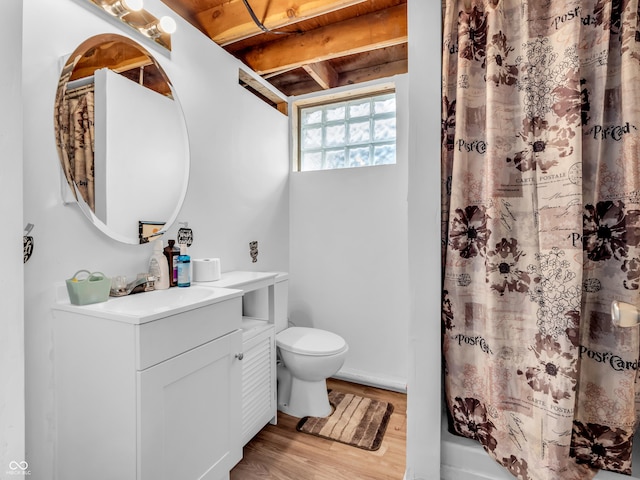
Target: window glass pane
point(336, 135)
point(336, 113)
point(384, 104)
point(359, 157)
point(311, 161)
point(310, 117)
point(349, 132)
point(334, 159)
point(311, 138)
point(359, 132)
point(360, 109)
point(384, 154)
point(384, 128)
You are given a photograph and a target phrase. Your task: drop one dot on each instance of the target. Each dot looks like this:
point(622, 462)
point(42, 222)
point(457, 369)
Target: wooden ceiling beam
point(323, 73)
point(256, 87)
point(397, 67)
point(231, 21)
point(390, 69)
point(86, 68)
point(275, 74)
point(380, 29)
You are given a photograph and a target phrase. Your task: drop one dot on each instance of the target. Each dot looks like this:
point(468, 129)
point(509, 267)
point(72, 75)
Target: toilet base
point(307, 399)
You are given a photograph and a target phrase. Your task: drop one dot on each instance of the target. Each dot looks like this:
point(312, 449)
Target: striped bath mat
point(356, 421)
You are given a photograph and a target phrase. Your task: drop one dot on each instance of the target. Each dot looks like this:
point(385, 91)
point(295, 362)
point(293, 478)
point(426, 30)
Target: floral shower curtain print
point(76, 140)
point(541, 231)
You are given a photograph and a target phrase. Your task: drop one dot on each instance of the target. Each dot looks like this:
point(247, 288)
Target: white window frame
point(319, 100)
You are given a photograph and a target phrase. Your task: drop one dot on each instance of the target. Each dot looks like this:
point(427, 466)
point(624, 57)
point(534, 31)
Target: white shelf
point(252, 327)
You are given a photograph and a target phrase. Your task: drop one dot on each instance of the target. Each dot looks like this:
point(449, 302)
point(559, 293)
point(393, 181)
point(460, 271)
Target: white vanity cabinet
point(148, 398)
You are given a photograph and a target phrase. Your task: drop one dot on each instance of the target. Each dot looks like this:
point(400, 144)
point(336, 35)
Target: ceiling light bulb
point(167, 25)
point(121, 8)
point(133, 5)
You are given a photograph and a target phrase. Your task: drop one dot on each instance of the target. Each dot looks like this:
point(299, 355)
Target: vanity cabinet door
point(189, 413)
point(259, 402)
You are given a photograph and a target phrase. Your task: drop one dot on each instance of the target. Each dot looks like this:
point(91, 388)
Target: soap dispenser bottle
point(184, 267)
point(158, 266)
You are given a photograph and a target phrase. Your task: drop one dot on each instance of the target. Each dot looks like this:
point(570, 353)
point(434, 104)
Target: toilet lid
point(310, 341)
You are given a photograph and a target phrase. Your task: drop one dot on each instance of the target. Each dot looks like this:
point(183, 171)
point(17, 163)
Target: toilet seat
point(310, 341)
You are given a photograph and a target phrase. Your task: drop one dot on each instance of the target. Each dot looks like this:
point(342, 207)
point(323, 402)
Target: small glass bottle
point(184, 267)
point(172, 252)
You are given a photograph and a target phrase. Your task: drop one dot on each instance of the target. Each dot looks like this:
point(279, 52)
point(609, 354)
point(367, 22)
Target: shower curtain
point(541, 231)
point(76, 140)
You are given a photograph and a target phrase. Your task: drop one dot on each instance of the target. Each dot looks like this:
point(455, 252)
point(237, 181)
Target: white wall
point(349, 264)
point(238, 188)
point(423, 403)
point(12, 415)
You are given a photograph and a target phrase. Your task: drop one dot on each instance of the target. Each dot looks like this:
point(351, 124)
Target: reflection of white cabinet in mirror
point(134, 158)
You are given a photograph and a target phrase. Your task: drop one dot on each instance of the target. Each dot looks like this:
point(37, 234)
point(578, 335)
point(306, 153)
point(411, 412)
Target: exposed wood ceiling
point(319, 44)
point(121, 55)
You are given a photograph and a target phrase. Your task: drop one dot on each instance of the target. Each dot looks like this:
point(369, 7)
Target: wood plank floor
point(279, 452)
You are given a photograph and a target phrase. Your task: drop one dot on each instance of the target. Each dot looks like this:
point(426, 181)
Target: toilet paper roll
point(206, 269)
point(624, 314)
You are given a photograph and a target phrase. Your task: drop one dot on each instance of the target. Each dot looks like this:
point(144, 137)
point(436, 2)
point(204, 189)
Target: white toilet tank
point(256, 303)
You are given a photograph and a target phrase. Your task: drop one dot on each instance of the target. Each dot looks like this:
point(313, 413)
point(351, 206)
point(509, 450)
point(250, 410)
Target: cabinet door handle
point(239, 356)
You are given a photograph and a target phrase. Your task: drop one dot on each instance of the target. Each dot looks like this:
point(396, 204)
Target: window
point(354, 132)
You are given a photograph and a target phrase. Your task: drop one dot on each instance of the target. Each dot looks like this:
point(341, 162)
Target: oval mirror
point(121, 138)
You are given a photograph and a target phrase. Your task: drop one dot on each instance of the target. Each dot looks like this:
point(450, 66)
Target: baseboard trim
point(387, 383)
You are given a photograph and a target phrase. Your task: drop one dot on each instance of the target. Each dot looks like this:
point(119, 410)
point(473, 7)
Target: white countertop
point(145, 307)
point(246, 281)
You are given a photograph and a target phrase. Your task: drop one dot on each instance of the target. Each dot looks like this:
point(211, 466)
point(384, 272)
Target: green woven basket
point(90, 288)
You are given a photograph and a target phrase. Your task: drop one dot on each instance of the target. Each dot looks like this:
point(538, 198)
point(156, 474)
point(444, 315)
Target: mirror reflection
point(121, 137)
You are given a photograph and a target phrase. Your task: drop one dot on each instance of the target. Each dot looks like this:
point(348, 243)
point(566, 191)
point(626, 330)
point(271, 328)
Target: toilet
point(306, 358)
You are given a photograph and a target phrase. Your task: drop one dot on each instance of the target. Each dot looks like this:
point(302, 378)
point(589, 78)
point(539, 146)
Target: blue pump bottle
point(184, 267)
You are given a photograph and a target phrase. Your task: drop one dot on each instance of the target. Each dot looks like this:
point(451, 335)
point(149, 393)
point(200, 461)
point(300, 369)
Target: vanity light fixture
point(120, 8)
point(132, 14)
